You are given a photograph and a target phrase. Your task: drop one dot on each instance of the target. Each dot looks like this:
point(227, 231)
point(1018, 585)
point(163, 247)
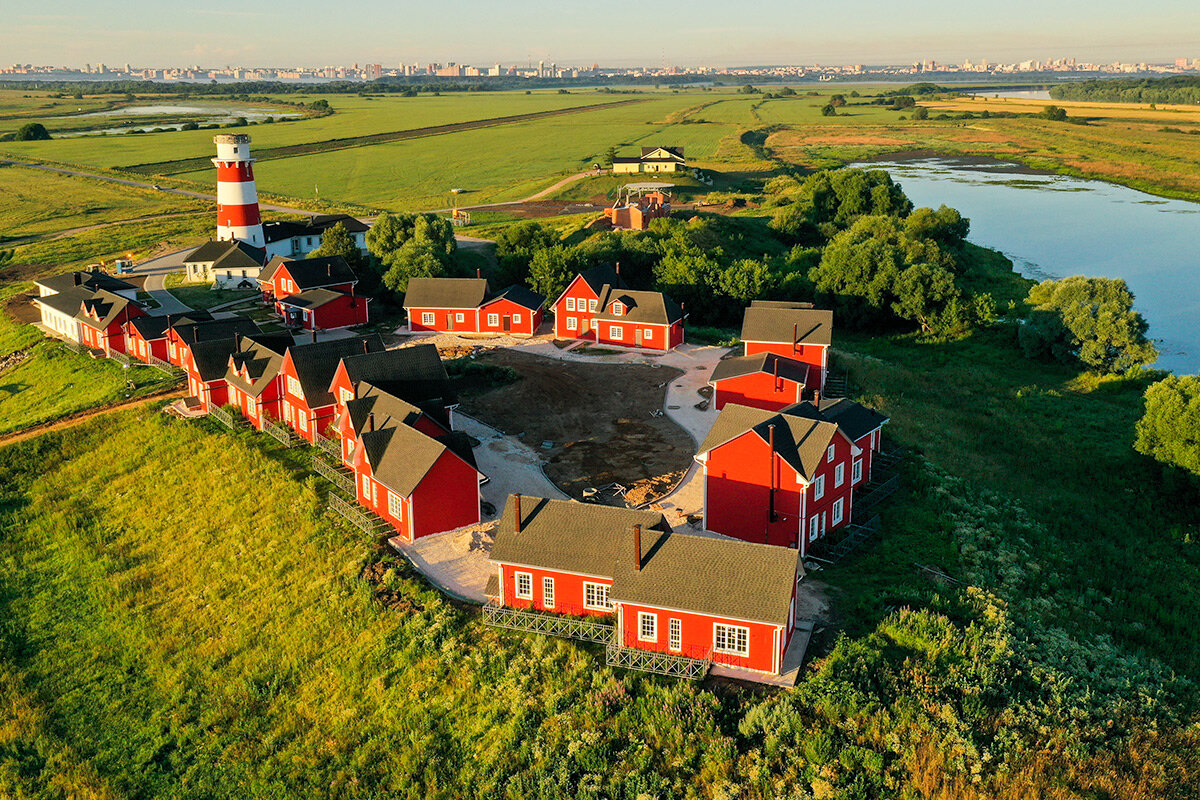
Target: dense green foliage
point(1090, 320)
point(1169, 430)
point(408, 246)
point(1180, 89)
point(32, 132)
point(338, 241)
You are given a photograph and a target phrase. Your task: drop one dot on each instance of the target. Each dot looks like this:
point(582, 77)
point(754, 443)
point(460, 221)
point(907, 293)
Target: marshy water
point(1053, 226)
point(202, 113)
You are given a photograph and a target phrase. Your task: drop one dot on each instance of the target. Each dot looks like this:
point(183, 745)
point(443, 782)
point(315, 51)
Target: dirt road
point(83, 416)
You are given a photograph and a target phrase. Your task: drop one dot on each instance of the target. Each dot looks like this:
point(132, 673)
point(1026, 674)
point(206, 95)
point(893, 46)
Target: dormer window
point(618, 310)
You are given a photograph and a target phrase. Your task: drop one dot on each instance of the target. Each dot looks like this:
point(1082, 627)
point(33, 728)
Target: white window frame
point(839, 474)
point(618, 310)
point(856, 471)
point(570, 304)
point(516, 318)
point(674, 634)
point(251, 406)
point(293, 386)
point(819, 487)
point(616, 332)
point(737, 639)
point(814, 528)
point(599, 590)
point(347, 395)
point(493, 320)
point(428, 318)
point(572, 324)
point(830, 453)
point(460, 317)
point(525, 579)
point(366, 486)
point(647, 629)
point(838, 512)
point(395, 504)
point(547, 592)
point(647, 333)
point(592, 304)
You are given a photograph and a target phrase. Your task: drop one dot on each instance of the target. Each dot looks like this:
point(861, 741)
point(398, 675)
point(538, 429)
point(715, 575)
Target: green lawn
point(202, 295)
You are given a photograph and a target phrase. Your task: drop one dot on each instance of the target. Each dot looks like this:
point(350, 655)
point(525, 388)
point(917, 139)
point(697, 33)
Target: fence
point(164, 366)
point(876, 492)
point(549, 623)
point(222, 416)
point(366, 521)
point(328, 445)
point(279, 432)
point(334, 475)
point(854, 535)
point(669, 664)
point(120, 358)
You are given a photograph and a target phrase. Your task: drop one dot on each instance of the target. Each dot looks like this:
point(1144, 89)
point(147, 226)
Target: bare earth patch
point(597, 418)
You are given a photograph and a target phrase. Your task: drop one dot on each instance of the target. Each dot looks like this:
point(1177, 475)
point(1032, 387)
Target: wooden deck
point(789, 672)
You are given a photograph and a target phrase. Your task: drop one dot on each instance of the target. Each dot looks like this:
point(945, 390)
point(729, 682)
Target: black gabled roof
point(191, 331)
point(314, 298)
point(259, 356)
point(278, 230)
point(66, 301)
point(604, 275)
point(855, 419)
point(415, 374)
point(654, 308)
point(446, 293)
point(722, 577)
point(769, 363)
point(313, 273)
point(794, 323)
point(106, 306)
point(800, 441)
point(316, 364)
point(526, 298)
point(574, 536)
point(675, 151)
point(92, 280)
point(212, 357)
point(156, 327)
point(229, 253)
point(401, 456)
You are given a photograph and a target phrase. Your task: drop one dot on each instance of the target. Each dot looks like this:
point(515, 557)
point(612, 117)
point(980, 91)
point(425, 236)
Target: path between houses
point(84, 416)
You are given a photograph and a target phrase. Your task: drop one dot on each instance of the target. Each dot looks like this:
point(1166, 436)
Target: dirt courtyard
point(597, 418)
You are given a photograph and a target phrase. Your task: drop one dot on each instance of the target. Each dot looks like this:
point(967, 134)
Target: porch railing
point(366, 521)
point(330, 446)
point(222, 416)
point(673, 665)
point(334, 475)
point(547, 622)
point(279, 433)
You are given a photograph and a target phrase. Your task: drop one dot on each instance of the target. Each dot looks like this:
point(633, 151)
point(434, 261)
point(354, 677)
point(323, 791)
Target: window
point(493, 320)
point(814, 528)
point(829, 454)
point(647, 627)
point(732, 639)
point(819, 487)
point(251, 406)
point(302, 419)
point(595, 596)
point(427, 318)
point(615, 332)
point(294, 387)
point(548, 592)
point(572, 324)
point(395, 505)
point(570, 304)
point(592, 305)
point(856, 471)
point(524, 589)
point(346, 394)
point(460, 317)
point(618, 310)
point(675, 635)
point(648, 333)
point(366, 486)
point(839, 474)
point(837, 511)
point(516, 319)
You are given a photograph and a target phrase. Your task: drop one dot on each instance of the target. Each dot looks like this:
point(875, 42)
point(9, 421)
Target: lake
point(1053, 226)
point(1019, 94)
point(217, 115)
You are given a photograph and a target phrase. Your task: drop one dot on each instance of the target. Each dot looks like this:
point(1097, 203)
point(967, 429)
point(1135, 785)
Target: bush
point(32, 132)
point(1169, 430)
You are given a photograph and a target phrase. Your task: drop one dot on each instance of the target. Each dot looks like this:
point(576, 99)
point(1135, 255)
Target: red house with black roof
point(792, 330)
point(306, 374)
point(764, 380)
point(576, 308)
point(102, 319)
point(185, 332)
point(516, 311)
point(631, 318)
point(323, 309)
point(252, 374)
point(862, 424)
point(282, 277)
point(776, 477)
point(702, 597)
point(414, 374)
point(468, 306)
point(146, 336)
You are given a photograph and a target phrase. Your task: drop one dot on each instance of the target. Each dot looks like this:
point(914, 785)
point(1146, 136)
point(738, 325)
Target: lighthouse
point(237, 199)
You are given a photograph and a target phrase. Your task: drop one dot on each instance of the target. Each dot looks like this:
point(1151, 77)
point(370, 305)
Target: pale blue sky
point(712, 32)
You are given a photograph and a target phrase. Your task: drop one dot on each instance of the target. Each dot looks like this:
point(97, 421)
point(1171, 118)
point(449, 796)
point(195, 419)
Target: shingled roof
point(791, 324)
point(654, 308)
point(103, 308)
point(446, 293)
point(707, 575)
point(855, 419)
point(191, 331)
point(799, 441)
point(604, 275)
point(91, 280)
point(578, 537)
point(769, 363)
point(230, 253)
point(67, 301)
point(401, 456)
point(316, 363)
point(315, 298)
point(520, 295)
point(382, 409)
point(278, 230)
point(256, 362)
point(212, 358)
point(156, 327)
point(311, 273)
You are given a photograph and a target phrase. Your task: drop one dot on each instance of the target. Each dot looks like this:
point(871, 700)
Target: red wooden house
point(282, 277)
point(516, 311)
point(793, 330)
point(376, 408)
point(764, 380)
point(205, 365)
point(421, 485)
point(576, 308)
point(863, 425)
point(146, 336)
point(776, 477)
point(323, 309)
point(252, 374)
point(306, 373)
point(414, 374)
point(445, 304)
point(630, 318)
point(701, 597)
point(102, 319)
point(183, 333)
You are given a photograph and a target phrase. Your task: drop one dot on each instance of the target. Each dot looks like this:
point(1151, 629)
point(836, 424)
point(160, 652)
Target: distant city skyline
point(174, 33)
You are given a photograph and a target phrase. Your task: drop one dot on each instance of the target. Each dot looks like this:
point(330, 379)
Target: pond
point(1053, 226)
point(1016, 94)
point(216, 114)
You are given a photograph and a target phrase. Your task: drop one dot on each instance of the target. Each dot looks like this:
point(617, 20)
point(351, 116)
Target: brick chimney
point(314, 335)
point(371, 422)
point(517, 509)
point(366, 347)
point(771, 465)
point(637, 547)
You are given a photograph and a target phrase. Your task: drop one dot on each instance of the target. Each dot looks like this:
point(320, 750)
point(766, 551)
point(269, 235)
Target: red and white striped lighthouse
point(237, 199)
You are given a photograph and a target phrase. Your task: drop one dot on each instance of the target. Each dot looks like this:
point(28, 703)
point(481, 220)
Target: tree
point(32, 132)
point(338, 241)
point(1169, 430)
point(920, 112)
point(748, 89)
point(414, 259)
point(610, 155)
point(551, 269)
point(1090, 320)
point(388, 234)
point(837, 100)
point(946, 226)
point(516, 245)
point(829, 111)
point(746, 280)
point(1054, 113)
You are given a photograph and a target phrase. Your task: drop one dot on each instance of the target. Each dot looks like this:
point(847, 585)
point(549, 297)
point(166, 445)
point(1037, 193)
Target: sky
point(576, 33)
